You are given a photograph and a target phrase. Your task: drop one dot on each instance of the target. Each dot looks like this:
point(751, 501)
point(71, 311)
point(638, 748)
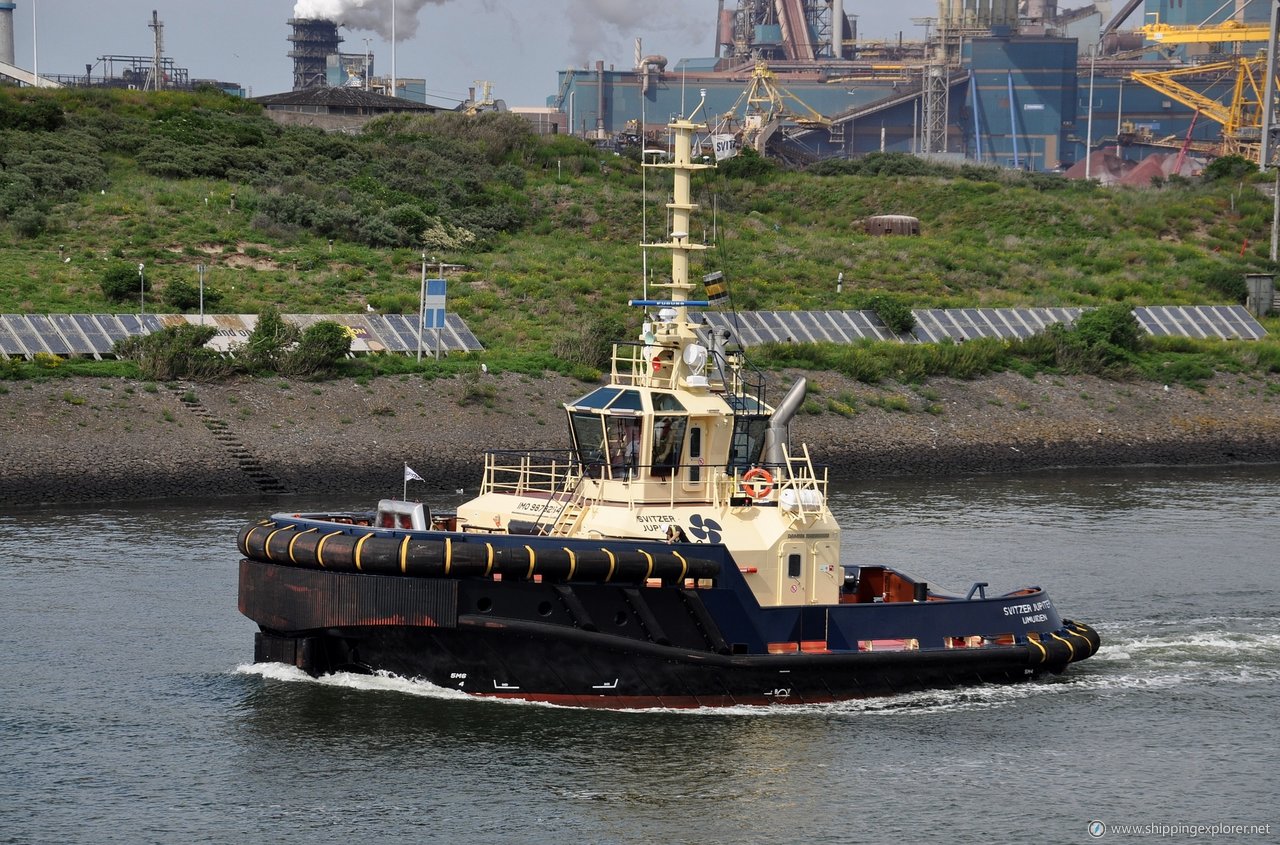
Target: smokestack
point(314, 40)
point(6, 32)
point(719, 25)
point(599, 99)
point(837, 29)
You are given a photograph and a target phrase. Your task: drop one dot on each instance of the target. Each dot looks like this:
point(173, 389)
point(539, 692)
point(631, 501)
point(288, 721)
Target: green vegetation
point(1106, 342)
point(94, 183)
point(275, 346)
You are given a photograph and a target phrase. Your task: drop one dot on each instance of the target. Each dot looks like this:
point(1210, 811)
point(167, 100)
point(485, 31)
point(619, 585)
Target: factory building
point(153, 72)
point(1023, 85)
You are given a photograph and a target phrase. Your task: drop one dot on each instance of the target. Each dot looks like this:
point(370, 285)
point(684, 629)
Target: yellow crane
point(766, 104)
point(1218, 33)
point(1241, 118)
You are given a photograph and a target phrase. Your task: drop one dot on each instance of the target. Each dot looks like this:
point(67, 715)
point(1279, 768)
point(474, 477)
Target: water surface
point(131, 712)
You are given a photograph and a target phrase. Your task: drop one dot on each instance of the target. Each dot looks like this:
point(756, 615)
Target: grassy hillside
point(546, 231)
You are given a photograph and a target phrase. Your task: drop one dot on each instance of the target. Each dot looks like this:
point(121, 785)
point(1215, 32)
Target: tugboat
point(678, 554)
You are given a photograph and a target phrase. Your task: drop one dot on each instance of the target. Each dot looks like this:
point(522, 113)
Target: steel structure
point(1266, 153)
point(1241, 118)
point(786, 30)
point(1248, 118)
point(765, 105)
point(156, 79)
point(314, 40)
point(936, 97)
point(1227, 32)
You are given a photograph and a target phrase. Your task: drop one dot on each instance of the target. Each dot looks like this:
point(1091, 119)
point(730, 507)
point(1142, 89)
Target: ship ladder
point(800, 477)
point(571, 513)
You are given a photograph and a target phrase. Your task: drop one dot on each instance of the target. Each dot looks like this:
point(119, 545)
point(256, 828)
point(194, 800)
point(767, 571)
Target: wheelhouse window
point(748, 441)
point(624, 445)
point(612, 398)
point(668, 443)
point(588, 439)
point(667, 402)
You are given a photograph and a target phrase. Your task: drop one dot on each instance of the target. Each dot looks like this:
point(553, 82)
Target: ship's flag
point(714, 285)
point(726, 146)
point(410, 475)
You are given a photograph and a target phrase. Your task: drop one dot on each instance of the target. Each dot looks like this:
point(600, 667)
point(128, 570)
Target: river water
point(129, 711)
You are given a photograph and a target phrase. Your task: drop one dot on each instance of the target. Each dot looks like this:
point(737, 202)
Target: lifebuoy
point(757, 483)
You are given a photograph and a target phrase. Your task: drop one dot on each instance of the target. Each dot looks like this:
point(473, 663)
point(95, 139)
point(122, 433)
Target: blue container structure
point(1022, 101)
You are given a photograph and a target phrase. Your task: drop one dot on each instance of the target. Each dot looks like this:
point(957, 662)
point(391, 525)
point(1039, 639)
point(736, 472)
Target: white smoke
point(594, 26)
point(372, 15)
point(607, 27)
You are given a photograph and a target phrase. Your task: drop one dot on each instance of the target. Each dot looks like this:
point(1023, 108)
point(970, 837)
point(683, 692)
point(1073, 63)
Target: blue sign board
point(433, 305)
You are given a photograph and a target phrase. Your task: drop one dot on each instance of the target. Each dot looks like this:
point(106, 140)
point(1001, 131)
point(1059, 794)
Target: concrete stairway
point(249, 465)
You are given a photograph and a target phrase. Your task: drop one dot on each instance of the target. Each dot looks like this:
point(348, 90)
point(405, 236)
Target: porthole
point(544, 608)
point(484, 605)
point(620, 618)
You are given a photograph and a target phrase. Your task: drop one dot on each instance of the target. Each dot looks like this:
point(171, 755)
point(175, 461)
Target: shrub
point(29, 221)
point(1190, 370)
point(267, 343)
point(590, 343)
point(184, 295)
point(121, 283)
point(42, 114)
point(1228, 167)
point(175, 352)
point(321, 346)
point(1103, 341)
point(895, 313)
point(1268, 358)
point(1228, 281)
point(16, 191)
point(747, 164)
point(1112, 324)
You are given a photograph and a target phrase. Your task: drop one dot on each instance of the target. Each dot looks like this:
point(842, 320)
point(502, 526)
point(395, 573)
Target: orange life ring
point(756, 490)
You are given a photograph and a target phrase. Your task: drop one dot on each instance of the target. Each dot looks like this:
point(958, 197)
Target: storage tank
point(6, 32)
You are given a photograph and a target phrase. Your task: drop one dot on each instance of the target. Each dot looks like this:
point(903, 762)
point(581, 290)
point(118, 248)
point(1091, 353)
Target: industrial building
point(154, 72)
point(1013, 83)
point(1023, 85)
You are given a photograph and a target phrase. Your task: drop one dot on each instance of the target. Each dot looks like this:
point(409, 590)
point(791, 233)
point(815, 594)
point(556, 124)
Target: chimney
point(6, 32)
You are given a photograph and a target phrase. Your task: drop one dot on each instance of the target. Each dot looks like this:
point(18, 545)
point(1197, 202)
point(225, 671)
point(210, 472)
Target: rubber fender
point(1087, 634)
point(341, 549)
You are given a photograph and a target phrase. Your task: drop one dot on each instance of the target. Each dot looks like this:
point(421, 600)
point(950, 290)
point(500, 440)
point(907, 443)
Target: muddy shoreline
point(98, 440)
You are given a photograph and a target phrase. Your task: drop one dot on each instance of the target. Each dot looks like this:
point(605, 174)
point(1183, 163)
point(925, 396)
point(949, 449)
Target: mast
point(682, 207)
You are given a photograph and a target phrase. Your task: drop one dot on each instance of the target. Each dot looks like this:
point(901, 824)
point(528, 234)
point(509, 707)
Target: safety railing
point(546, 471)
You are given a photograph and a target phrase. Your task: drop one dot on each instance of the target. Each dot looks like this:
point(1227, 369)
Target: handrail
point(557, 475)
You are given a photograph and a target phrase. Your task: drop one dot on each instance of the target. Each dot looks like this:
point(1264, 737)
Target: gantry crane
point(1227, 32)
point(1241, 118)
point(766, 105)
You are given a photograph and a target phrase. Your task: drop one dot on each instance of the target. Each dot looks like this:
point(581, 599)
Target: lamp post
point(367, 50)
point(200, 271)
point(1088, 135)
point(142, 289)
point(1269, 87)
point(1119, 116)
point(422, 303)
